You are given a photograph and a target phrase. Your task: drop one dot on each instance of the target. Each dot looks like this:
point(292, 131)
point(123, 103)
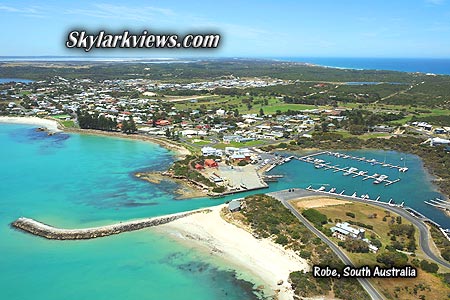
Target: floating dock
point(321, 164)
point(371, 161)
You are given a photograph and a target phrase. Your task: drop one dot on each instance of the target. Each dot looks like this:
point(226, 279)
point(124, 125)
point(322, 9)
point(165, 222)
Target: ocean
point(71, 180)
point(423, 65)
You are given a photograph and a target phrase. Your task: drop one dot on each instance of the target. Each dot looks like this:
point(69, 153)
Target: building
point(210, 151)
point(234, 205)
point(199, 167)
point(440, 131)
point(382, 128)
point(211, 163)
point(439, 141)
point(343, 231)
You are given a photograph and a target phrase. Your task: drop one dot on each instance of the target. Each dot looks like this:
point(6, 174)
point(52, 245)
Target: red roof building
point(211, 163)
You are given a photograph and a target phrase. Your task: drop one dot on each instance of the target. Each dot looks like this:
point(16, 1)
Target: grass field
point(231, 103)
point(239, 145)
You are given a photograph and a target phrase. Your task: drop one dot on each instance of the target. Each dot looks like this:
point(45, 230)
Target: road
point(374, 294)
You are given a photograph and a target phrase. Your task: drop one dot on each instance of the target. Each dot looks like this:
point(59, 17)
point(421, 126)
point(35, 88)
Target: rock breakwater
point(49, 232)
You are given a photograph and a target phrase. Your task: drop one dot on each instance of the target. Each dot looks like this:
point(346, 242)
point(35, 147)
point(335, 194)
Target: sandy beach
point(262, 257)
point(52, 126)
point(180, 151)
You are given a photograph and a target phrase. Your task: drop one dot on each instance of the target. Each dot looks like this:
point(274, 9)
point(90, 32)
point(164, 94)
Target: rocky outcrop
point(50, 232)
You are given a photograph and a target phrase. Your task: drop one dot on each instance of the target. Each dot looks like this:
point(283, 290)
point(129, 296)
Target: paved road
point(284, 196)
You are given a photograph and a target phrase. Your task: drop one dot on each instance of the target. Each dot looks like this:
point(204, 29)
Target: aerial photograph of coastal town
point(232, 150)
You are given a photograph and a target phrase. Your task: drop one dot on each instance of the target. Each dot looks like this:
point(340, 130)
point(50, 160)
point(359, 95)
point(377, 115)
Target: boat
point(333, 190)
point(354, 195)
point(380, 179)
point(319, 166)
point(375, 175)
point(350, 171)
point(322, 188)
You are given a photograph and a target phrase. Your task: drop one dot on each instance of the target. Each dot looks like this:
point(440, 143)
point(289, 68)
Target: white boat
point(354, 195)
point(322, 188)
point(350, 171)
point(380, 179)
point(333, 190)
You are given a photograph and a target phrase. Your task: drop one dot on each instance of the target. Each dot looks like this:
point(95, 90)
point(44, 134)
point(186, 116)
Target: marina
point(347, 171)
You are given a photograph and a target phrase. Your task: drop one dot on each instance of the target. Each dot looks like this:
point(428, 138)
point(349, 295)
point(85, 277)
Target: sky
point(319, 28)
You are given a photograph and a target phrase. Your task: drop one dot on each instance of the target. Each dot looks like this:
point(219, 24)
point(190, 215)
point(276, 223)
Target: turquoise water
point(80, 180)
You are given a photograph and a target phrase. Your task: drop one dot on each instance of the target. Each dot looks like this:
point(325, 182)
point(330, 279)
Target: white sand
point(269, 261)
point(52, 126)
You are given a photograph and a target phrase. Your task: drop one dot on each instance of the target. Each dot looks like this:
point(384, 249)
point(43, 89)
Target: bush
point(315, 217)
point(219, 189)
point(282, 240)
point(350, 214)
point(429, 267)
point(242, 163)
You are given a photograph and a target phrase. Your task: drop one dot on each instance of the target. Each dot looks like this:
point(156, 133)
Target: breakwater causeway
point(50, 232)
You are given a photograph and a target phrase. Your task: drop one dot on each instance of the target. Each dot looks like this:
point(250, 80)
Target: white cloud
point(121, 12)
point(32, 11)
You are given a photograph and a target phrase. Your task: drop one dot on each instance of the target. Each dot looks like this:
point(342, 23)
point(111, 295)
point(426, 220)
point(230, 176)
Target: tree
point(132, 126)
point(261, 112)
point(125, 126)
point(167, 133)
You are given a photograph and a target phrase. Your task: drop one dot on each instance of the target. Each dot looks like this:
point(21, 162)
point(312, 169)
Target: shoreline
point(185, 189)
point(179, 150)
point(53, 126)
point(261, 257)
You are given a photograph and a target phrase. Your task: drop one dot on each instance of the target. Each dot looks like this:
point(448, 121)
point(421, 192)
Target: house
point(382, 128)
point(210, 151)
point(199, 167)
point(343, 231)
point(211, 163)
point(439, 141)
point(440, 131)
point(234, 205)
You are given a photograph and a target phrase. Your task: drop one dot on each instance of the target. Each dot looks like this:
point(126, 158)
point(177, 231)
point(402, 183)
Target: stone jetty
point(53, 233)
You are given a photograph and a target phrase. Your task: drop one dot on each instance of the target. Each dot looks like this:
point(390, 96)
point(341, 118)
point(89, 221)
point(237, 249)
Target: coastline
point(54, 126)
point(51, 125)
point(185, 189)
point(179, 150)
point(261, 257)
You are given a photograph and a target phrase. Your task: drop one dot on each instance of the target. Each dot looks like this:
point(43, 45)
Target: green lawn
point(239, 145)
point(68, 124)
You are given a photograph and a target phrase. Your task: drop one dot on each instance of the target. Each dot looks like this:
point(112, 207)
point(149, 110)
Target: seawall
point(49, 232)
